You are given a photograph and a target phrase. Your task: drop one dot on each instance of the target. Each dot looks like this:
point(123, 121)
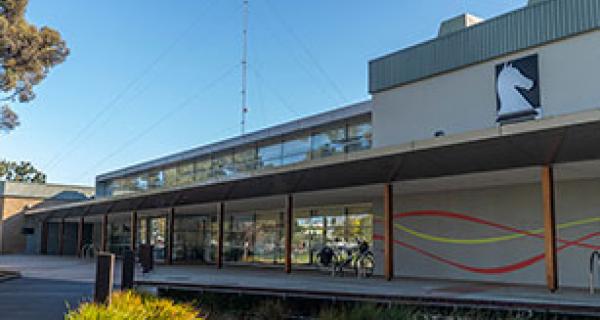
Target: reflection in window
point(202, 170)
point(239, 235)
point(296, 150)
point(360, 136)
point(327, 143)
point(308, 237)
point(195, 239)
point(156, 179)
point(222, 166)
point(245, 160)
point(171, 177)
point(141, 182)
point(268, 246)
point(269, 156)
point(185, 174)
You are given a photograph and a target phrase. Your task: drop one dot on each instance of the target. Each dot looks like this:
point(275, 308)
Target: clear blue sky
point(147, 78)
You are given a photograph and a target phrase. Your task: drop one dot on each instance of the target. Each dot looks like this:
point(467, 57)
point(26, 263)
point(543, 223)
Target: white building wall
point(465, 100)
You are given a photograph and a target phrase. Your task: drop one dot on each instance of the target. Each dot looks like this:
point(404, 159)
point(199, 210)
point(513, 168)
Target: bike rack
point(595, 257)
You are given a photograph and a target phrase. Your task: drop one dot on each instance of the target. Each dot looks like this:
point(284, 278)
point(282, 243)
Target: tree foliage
point(27, 53)
point(20, 172)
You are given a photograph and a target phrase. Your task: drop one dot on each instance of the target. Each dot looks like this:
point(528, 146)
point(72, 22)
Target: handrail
point(595, 257)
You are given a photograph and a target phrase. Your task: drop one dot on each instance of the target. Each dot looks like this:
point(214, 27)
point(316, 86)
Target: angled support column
point(388, 231)
point(548, 198)
point(170, 235)
point(220, 220)
point(44, 238)
point(61, 237)
point(80, 226)
point(104, 233)
point(133, 232)
point(289, 218)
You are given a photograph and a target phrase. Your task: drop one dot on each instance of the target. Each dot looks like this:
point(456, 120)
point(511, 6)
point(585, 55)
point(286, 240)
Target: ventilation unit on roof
point(458, 23)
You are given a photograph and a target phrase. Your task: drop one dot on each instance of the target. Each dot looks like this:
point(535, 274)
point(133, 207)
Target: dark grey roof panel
point(347, 112)
point(525, 28)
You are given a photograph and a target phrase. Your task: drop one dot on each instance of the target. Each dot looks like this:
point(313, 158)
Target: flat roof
point(528, 27)
point(559, 139)
point(321, 119)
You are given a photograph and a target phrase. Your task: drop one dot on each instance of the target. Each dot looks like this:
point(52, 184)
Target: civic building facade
point(476, 158)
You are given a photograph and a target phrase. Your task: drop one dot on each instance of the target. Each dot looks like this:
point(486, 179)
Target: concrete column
point(289, 216)
point(80, 228)
point(61, 237)
point(548, 199)
point(104, 233)
point(170, 235)
point(133, 230)
point(388, 231)
point(44, 238)
point(220, 219)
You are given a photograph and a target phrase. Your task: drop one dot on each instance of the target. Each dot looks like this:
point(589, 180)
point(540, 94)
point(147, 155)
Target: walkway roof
point(560, 139)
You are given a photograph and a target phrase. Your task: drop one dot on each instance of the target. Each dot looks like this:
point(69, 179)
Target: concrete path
point(48, 284)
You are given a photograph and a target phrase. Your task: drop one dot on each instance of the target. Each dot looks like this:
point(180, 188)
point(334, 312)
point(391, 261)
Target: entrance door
point(158, 237)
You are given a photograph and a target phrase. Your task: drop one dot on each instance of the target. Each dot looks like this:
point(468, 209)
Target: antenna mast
point(245, 67)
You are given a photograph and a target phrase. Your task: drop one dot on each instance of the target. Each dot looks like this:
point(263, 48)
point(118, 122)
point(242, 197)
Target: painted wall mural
point(512, 234)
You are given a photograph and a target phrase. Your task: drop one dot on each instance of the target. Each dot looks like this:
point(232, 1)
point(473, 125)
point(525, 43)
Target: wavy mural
point(514, 233)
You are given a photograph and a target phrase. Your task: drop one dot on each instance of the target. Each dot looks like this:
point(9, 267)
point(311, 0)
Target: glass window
point(185, 174)
point(269, 156)
point(222, 165)
point(329, 142)
point(193, 239)
point(269, 240)
point(245, 159)
point(360, 136)
point(308, 237)
point(170, 177)
point(156, 179)
point(239, 238)
point(141, 182)
point(202, 169)
point(296, 150)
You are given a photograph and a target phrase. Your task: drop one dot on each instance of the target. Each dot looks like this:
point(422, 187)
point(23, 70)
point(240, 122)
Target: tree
point(20, 172)
point(27, 54)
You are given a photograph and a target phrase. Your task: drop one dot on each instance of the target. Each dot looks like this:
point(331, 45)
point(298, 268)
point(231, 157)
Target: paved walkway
point(318, 285)
point(48, 284)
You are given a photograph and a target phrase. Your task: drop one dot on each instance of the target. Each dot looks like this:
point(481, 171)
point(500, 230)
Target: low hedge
point(130, 305)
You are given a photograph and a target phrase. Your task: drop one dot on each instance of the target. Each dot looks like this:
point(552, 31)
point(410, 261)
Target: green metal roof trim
point(528, 27)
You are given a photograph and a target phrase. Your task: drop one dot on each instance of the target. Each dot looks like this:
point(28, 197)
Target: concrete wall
point(480, 239)
point(465, 100)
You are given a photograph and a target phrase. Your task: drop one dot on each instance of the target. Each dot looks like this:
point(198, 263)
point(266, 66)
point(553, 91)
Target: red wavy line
point(460, 216)
point(491, 270)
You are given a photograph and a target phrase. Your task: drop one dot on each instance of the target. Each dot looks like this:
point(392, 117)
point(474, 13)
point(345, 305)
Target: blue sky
point(147, 78)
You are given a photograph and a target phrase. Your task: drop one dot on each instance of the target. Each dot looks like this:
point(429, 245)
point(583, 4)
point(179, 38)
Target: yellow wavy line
point(433, 238)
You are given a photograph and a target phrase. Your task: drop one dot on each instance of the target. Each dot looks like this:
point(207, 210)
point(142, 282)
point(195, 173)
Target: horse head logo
point(512, 102)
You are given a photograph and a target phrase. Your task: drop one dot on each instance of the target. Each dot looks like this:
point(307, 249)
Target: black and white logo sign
point(518, 90)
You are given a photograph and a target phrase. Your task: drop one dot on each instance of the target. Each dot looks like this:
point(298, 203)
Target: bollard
point(105, 265)
point(128, 269)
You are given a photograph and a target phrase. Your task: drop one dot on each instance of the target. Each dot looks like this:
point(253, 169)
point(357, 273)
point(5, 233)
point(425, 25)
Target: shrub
point(133, 306)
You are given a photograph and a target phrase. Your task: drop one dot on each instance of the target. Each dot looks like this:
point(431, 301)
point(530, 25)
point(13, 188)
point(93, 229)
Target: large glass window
point(239, 237)
point(308, 237)
point(185, 173)
point(245, 159)
point(269, 240)
point(119, 234)
point(360, 136)
point(296, 150)
point(328, 142)
point(195, 239)
point(156, 179)
point(141, 182)
point(222, 165)
point(269, 156)
point(170, 177)
point(203, 170)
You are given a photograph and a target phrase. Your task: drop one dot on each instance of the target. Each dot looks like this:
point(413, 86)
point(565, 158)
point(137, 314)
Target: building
point(476, 159)
point(16, 198)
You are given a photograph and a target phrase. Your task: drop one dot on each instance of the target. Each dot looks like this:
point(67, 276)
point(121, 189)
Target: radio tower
point(245, 67)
